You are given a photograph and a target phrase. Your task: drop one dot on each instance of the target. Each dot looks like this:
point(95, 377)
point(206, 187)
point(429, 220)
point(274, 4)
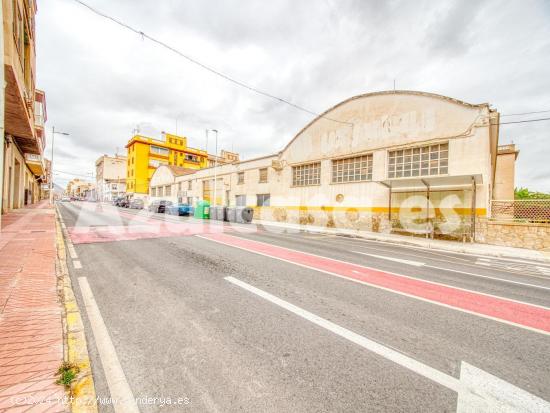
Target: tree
point(524, 193)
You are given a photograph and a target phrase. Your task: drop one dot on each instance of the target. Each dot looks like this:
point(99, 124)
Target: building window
point(308, 174)
point(155, 163)
point(263, 199)
point(189, 185)
point(421, 161)
point(240, 178)
point(358, 168)
point(263, 175)
point(159, 191)
point(167, 190)
point(153, 190)
point(158, 150)
point(240, 200)
point(191, 158)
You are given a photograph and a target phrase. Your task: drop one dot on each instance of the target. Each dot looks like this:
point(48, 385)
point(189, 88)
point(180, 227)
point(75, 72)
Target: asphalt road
point(295, 336)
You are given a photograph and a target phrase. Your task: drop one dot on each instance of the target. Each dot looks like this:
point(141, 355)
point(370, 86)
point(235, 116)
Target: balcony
point(35, 163)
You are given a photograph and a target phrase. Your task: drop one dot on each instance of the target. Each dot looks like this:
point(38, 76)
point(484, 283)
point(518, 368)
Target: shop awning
point(432, 182)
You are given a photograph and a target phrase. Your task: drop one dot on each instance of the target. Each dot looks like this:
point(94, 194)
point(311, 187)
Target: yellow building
point(145, 155)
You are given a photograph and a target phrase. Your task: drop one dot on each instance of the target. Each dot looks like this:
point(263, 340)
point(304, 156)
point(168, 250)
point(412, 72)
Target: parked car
point(121, 202)
point(66, 199)
point(136, 203)
point(180, 209)
point(159, 206)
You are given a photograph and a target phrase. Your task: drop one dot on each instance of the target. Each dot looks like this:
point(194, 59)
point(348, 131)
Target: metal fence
point(521, 210)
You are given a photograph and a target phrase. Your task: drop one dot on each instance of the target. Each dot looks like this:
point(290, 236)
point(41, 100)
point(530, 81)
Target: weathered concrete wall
point(505, 173)
point(514, 234)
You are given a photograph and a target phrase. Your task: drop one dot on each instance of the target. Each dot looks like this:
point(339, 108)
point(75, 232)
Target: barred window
point(240, 200)
point(354, 169)
point(240, 178)
point(189, 185)
point(263, 199)
point(307, 174)
point(153, 190)
point(167, 190)
point(420, 161)
point(263, 175)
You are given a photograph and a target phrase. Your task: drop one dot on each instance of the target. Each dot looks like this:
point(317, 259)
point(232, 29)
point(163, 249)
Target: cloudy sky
point(101, 80)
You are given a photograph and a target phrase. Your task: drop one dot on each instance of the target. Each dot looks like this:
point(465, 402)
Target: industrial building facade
point(399, 161)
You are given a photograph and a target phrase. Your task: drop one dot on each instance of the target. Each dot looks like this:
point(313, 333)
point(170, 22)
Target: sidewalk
point(31, 331)
point(450, 246)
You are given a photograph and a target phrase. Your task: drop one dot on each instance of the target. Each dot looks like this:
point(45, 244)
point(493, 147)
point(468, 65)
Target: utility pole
point(51, 162)
point(215, 166)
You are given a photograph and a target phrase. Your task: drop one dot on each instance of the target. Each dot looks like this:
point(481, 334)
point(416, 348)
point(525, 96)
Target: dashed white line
point(402, 261)
point(77, 264)
point(118, 385)
point(421, 264)
point(72, 251)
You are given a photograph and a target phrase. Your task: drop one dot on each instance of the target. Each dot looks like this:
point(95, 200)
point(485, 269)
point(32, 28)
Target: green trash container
point(202, 210)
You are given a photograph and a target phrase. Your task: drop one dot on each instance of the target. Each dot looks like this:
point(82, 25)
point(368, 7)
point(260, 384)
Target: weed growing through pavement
point(67, 373)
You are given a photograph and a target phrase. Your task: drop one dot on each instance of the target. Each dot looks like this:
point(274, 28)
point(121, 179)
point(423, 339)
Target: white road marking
point(477, 390)
point(415, 297)
point(72, 251)
point(543, 270)
point(388, 353)
point(77, 264)
point(491, 278)
point(542, 260)
point(408, 262)
point(118, 385)
point(421, 264)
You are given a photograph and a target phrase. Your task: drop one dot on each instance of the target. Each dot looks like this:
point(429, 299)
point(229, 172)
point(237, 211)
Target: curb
point(82, 394)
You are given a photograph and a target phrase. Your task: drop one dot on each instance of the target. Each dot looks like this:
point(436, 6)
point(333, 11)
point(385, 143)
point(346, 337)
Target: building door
point(16, 185)
point(9, 188)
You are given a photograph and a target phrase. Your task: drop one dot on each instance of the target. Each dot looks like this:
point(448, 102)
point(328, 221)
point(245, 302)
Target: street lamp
point(51, 162)
point(215, 166)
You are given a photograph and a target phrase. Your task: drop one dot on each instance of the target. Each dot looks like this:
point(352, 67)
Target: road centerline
point(421, 264)
point(508, 311)
point(477, 390)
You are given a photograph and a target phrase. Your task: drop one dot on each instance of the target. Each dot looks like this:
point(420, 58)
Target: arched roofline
point(381, 93)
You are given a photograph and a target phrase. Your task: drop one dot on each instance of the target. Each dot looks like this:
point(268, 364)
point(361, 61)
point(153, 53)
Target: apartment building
point(110, 177)
point(81, 189)
point(146, 154)
point(23, 176)
point(396, 161)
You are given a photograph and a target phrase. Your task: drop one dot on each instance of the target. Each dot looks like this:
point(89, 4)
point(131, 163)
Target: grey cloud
point(101, 81)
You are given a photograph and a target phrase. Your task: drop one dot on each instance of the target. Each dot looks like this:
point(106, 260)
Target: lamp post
point(51, 162)
point(215, 166)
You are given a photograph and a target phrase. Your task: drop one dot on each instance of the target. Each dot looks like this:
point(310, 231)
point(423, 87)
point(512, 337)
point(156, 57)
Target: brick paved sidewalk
point(31, 331)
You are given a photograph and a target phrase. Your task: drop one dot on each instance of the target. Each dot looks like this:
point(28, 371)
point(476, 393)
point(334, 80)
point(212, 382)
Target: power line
point(521, 121)
point(206, 67)
point(526, 113)
point(72, 173)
